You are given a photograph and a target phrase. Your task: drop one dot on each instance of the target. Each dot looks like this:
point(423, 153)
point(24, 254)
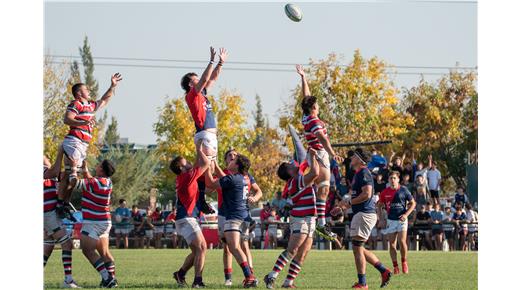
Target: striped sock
point(245, 268)
point(279, 265)
point(66, 258)
point(320, 208)
point(111, 268)
point(45, 259)
point(100, 267)
point(294, 270)
point(228, 272)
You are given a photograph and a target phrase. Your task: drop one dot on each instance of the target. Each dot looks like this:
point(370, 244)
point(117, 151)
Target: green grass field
point(152, 269)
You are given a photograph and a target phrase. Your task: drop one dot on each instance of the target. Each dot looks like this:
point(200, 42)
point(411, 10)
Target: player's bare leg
point(403, 247)
point(323, 183)
point(393, 251)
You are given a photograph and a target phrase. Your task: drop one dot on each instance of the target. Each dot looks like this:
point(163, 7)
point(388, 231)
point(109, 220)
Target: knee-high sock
point(279, 264)
point(66, 258)
point(320, 208)
point(111, 268)
point(100, 267)
point(294, 270)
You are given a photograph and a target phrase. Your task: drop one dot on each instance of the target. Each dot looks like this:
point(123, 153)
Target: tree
point(111, 134)
point(446, 121)
point(357, 102)
point(88, 65)
point(259, 116)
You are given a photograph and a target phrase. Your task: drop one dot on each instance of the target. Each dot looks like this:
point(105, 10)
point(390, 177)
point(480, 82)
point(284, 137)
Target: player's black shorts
point(434, 193)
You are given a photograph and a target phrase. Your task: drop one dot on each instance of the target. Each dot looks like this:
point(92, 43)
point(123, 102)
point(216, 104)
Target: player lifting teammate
point(303, 221)
point(80, 118)
point(364, 219)
point(53, 230)
point(316, 136)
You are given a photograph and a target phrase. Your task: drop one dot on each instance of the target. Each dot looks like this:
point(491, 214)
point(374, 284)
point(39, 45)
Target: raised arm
point(84, 168)
point(204, 78)
point(218, 170)
point(216, 72)
point(55, 169)
point(202, 160)
point(115, 79)
point(314, 168)
point(211, 183)
point(305, 87)
point(430, 161)
point(257, 193)
point(326, 145)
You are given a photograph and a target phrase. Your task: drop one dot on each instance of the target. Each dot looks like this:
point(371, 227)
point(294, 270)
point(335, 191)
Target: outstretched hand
point(116, 78)
point(299, 70)
point(212, 52)
point(223, 54)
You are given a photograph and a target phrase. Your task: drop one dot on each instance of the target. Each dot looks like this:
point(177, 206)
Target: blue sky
point(406, 33)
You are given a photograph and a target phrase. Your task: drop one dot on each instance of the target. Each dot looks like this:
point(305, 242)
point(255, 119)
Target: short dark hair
point(396, 173)
point(121, 200)
point(283, 172)
point(243, 164)
point(307, 104)
point(108, 168)
point(229, 151)
point(76, 87)
point(175, 166)
point(185, 81)
point(134, 206)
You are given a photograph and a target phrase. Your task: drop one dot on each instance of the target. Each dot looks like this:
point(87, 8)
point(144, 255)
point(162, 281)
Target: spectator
point(137, 219)
point(406, 182)
point(279, 202)
point(379, 183)
point(460, 197)
point(423, 220)
point(421, 197)
point(122, 226)
point(448, 228)
point(437, 217)
point(429, 207)
point(343, 187)
point(169, 228)
point(158, 223)
point(472, 218)
point(273, 220)
point(147, 226)
point(408, 170)
point(264, 214)
point(434, 180)
point(397, 164)
point(420, 171)
point(420, 181)
point(460, 219)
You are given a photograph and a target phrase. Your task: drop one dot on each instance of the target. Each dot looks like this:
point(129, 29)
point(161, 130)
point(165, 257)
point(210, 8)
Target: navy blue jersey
point(395, 201)
point(362, 178)
point(235, 188)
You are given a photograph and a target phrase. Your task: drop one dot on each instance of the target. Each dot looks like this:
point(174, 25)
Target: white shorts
point(233, 226)
point(221, 222)
point(51, 223)
point(158, 229)
point(96, 230)
point(188, 228)
point(395, 226)
point(122, 230)
point(322, 157)
point(75, 149)
point(169, 230)
point(209, 140)
point(362, 224)
point(303, 225)
point(148, 234)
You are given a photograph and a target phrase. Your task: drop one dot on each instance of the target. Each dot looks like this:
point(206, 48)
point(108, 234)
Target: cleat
point(385, 278)
point(269, 282)
point(228, 283)
point(109, 283)
point(198, 285)
point(325, 233)
point(396, 270)
point(359, 286)
point(405, 268)
point(181, 281)
point(250, 282)
point(71, 284)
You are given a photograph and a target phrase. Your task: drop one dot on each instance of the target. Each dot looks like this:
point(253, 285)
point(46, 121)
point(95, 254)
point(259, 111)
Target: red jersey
point(311, 126)
point(187, 192)
point(84, 112)
point(50, 194)
point(302, 196)
point(200, 109)
point(95, 199)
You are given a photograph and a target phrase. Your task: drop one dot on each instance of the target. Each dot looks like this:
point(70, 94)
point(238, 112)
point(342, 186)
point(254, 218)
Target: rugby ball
point(119, 218)
point(293, 12)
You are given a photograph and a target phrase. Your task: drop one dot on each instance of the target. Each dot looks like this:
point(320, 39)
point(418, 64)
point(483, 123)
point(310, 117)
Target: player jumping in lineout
point(316, 136)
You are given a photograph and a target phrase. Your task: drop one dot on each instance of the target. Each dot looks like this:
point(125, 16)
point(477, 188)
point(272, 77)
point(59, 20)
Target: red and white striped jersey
point(302, 196)
point(95, 199)
point(84, 112)
point(50, 194)
point(311, 126)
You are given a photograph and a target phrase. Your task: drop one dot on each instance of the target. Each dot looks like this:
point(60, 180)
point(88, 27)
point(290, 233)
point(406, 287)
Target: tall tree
point(446, 121)
point(358, 102)
point(88, 66)
point(259, 115)
point(112, 134)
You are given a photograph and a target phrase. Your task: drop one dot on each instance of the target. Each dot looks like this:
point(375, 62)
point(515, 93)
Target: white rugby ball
point(119, 218)
point(293, 12)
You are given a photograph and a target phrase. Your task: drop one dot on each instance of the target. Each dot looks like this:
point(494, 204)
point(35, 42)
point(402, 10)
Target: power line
point(252, 63)
point(234, 68)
